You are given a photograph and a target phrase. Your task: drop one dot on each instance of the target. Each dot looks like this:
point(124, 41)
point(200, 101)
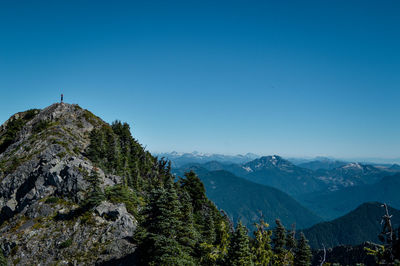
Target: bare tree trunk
point(324, 258)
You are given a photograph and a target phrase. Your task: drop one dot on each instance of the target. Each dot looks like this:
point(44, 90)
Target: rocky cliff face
point(43, 179)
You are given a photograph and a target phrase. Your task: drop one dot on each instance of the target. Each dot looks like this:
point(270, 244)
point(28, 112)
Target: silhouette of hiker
point(62, 98)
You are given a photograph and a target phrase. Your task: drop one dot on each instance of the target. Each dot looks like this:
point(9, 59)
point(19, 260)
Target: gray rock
point(43, 179)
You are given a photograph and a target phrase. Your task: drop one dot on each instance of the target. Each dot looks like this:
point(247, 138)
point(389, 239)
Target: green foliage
point(52, 200)
point(244, 200)
point(123, 194)
point(177, 223)
point(12, 129)
point(193, 185)
point(90, 117)
point(389, 252)
point(158, 235)
point(31, 114)
point(356, 227)
point(282, 255)
point(279, 239)
point(207, 218)
point(239, 250)
point(115, 151)
point(303, 254)
point(61, 154)
point(65, 244)
point(187, 234)
point(95, 195)
point(261, 248)
point(41, 126)
point(215, 254)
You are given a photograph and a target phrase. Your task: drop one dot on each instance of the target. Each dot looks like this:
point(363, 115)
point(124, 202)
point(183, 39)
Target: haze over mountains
point(330, 188)
point(180, 159)
point(359, 225)
point(247, 201)
point(56, 162)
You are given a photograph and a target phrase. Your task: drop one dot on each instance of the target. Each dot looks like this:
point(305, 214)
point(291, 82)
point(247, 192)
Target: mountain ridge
point(247, 201)
point(359, 225)
point(46, 178)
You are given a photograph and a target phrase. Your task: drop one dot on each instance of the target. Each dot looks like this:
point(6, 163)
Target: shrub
point(41, 125)
point(66, 244)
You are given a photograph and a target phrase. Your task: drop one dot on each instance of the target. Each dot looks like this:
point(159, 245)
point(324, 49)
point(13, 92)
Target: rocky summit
point(45, 179)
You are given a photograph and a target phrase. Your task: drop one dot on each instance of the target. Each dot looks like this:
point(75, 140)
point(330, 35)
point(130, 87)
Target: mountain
point(247, 201)
point(360, 225)
point(180, 159)
point(75, 190)
point(351, 174)
point(395, 167)
point(323, 163)
point(277, 172)
point(330, 205)
point(44, 176)
point(236, 169)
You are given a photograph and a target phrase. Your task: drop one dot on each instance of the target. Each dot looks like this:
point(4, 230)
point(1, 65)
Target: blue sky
point(295, 78)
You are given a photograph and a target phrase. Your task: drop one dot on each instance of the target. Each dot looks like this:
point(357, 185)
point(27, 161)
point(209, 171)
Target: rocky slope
point(44, 177)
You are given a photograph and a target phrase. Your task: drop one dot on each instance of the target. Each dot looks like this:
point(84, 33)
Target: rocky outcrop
point(43, 179)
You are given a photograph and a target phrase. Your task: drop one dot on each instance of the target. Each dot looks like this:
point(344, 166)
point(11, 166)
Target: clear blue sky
point(295, 78)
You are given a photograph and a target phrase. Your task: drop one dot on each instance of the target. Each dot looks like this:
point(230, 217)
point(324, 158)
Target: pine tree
point(187, 234)
point(239, 250)
point(95, 195)
point(193, 185)
point(290, 245)
point(279, 239)
point(291, 240)
point(159, 229)
point(262, 251)
point(303, 254)
point(216, 254)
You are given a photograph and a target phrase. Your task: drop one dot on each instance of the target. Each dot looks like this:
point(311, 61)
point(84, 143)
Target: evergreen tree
point(216, 254)
point(261, 249)
point(193, 185)
point(291, 240)
point(239, 250)
point(95, 195)
point(187, 234)
point(279, 240)
point(209, 230)
point(159, 229)
point(303, 254)
point(291, 244)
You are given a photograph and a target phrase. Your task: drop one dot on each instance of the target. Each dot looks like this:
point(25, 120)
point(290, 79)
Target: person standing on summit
point(62, 98)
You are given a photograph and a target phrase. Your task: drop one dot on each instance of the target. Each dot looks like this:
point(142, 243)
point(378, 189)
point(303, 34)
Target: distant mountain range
point(360, 225)
point(277, 172)
point(180, 159)
point(330, 205)
point(247, 201)
point(322, 164)
point(329, 191)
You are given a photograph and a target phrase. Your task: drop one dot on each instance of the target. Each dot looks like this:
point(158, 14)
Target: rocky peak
point(266, 162)
point(44, 177)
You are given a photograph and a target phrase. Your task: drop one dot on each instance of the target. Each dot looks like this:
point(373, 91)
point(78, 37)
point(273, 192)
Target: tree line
point(177, 223)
